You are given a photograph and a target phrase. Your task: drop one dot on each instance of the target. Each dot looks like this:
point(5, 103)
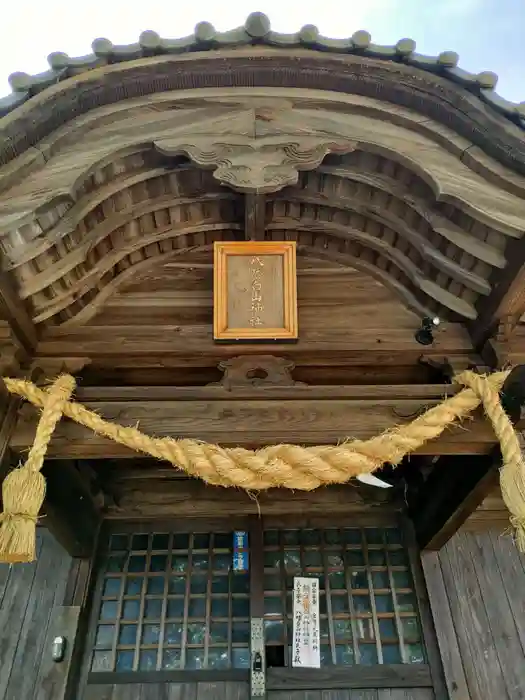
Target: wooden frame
point(380, 676)
point(288, 330)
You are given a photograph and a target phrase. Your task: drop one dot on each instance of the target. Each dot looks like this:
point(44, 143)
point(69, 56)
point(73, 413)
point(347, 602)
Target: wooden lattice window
point(368, 607)
point(171, 601)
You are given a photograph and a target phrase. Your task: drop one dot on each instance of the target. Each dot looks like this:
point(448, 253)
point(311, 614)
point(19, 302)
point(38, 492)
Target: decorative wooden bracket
point(256, 166)
point(256, 371)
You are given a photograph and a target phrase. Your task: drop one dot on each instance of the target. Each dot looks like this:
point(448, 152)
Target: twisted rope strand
point(294, 466)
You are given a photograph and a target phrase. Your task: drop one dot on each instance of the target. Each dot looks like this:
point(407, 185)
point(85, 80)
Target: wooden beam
point(454, 489)
point(15, 312)
point(253, 417)
point(507, 298)
point(254, 216)
point(194, 346)
point(69, 512)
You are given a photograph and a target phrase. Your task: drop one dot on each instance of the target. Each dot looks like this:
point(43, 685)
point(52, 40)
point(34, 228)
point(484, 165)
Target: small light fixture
point(424, 335)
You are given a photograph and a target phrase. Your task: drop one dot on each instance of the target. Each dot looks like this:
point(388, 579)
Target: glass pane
point(326, 655)
point(223, 540)
point(387, 629)
point(196, 633)
point(179, 563)
point(219, 607)
point(177, 584)
point(272, 560)
point(344, 655)
point(105, 635)
point(415, 653)
point(221, 562)
point(339, 604)
point(241, 583)
point(393, 535)
point(173, 633)
point(384, 604)
point(368, 654)
point(102, 661)
point(343, 629)
point(274, 631)
point(362, 604)
point(112, 587)
point(200, 561)
point(153, 609)
point(139, 541)
point(241, 657)
point(218, 632)
point(218, 658)
point(133, 585)
point(273, 605)
point(175, 607)
point(398, 558)
point(150, 634)
point(181, 541)
point(402, 579)
point(127, 635)
point(332, 537)
point(116, 563)
point(355, 557)
point(158, 563)
point(313, 558)
point(171, 659)
point(219, 584)
point(352, 536)
point(108, 611)
point(199, 584)
point(292, 559)
point(119, 542)
point(410, 628)
point(148, 660)
point(334, 560)
point(201, 541)
point(130, 610)
point(240, 632)
point(373, 535)
point(271, 537)
point(155, 585)
point(380, 579)
point(291, 537)
point(310, 537)
point(391, 654)
point(197, 607)
point(241, 607)
point(359, 579)
point(160, 542)
point(137, 563)
point(376, 557)
point(337, 580)
point(272, 582)
point(125, 660)
point(406, 602)
point(195, 659)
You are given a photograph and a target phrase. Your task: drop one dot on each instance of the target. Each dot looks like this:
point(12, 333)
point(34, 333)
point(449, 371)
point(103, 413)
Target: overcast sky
point(487, 34)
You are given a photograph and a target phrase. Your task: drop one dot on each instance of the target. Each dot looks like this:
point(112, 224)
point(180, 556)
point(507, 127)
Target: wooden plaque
point(255, 290)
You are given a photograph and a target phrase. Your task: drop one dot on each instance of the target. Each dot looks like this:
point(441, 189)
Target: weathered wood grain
point(32, 595)
point(475, 584)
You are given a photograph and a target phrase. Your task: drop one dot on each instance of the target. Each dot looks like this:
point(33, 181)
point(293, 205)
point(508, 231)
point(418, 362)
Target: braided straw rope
point(306, 468)
point(24, 488)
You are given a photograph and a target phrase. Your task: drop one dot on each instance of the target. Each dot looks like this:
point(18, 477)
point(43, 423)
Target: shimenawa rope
point(287, 466)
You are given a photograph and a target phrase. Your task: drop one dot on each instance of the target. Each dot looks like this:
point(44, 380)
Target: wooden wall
point(476, 585)
point(31, 596)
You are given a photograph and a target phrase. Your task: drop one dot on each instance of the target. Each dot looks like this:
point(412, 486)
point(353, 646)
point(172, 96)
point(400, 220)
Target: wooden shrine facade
point(399, 180)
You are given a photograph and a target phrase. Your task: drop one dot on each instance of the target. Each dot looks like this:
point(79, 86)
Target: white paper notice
point(306, 652)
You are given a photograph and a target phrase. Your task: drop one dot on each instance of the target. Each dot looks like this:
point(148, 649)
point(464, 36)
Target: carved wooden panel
point(255, 290)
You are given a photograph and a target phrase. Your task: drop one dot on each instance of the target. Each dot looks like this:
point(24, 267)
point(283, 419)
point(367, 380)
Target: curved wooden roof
point(400, 168)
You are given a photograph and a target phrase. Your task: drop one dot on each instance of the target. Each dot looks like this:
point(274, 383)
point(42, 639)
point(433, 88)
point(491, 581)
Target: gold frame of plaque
point(256, 300)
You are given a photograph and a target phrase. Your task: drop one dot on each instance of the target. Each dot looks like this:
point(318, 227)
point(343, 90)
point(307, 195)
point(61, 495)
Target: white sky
point(487, 34)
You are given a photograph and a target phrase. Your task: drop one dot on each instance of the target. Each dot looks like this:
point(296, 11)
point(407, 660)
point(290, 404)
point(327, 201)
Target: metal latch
point(258, 661)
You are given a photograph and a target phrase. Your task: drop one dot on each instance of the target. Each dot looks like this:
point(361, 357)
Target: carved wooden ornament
point(255, 291)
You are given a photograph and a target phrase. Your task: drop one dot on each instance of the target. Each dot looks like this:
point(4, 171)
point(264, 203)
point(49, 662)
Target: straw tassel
point(24, 488)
